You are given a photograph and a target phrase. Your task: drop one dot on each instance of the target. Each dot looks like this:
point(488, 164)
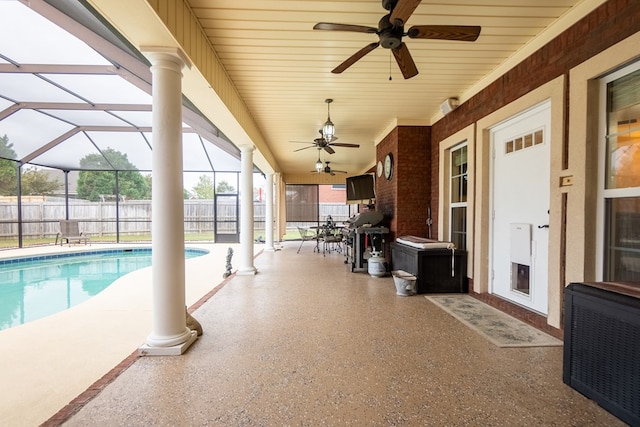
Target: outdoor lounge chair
point(69, 231)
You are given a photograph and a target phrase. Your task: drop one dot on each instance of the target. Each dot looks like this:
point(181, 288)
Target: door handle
point(544, 226)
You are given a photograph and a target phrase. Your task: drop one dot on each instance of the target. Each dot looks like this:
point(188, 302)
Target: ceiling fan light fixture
point(319, 165)
point(328, 129)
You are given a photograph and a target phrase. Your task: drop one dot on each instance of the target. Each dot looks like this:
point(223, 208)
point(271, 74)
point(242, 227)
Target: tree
point(6, 149)
point(148, 180)
point(204, 188)
point(102, 179)
point(8, 168)
point(224, 187)
point(33, 181)
point(36, 182)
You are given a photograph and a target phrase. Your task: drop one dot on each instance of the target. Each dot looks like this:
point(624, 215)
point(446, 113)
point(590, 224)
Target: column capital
point(177, 55)
point(247, 148)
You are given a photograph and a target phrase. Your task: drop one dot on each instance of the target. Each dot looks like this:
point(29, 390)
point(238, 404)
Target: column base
point(277, 246)
point(247, 271)
point(174, 350)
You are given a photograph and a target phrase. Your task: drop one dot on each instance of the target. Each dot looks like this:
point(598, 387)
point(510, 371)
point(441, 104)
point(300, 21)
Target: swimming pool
point(39, 286)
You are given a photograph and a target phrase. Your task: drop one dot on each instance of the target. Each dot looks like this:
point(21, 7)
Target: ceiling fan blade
point(328, 149)
point(355, 57)
point(302, 142)
point(337, 171)
point(322, 142)
point(304, 148)
point(342, 144)
point(405, 61)
point(328, 26)
point(464, 33)
point(402, 11)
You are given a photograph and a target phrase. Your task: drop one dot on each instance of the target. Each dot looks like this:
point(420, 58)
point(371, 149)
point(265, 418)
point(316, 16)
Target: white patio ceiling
point(264, 64)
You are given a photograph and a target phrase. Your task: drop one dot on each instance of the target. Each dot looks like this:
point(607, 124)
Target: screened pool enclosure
point(75, 136)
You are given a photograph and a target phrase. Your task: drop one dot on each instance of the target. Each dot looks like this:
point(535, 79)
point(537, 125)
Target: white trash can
point(405, 283)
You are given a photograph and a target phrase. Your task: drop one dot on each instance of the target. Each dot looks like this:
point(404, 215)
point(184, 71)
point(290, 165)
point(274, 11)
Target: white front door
point(520, 208)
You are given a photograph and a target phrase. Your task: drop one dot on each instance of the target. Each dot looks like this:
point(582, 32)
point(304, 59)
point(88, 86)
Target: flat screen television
point(361, 189)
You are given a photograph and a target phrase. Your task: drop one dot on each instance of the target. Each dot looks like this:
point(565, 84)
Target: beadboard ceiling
point(281, 67)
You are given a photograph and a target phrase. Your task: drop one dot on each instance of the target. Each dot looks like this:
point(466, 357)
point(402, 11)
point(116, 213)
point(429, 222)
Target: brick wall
point(386, 191)
point(328, 194)
point(404, 200)
point(413, 176)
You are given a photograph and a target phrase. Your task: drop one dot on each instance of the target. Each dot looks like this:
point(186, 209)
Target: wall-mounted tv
point(361, 189)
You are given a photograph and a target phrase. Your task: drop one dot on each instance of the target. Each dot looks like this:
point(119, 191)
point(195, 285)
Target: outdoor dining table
point(324, 231)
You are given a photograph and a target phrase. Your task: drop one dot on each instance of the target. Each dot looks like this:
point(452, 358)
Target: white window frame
point(604, 193)
point(451, 204)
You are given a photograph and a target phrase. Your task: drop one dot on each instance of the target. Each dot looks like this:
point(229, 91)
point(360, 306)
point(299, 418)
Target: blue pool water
point(35, 287)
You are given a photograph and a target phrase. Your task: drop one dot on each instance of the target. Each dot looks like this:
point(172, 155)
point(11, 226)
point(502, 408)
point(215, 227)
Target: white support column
point(246, 211)
point(279, 199)
point(268, 221)
point(169, 335)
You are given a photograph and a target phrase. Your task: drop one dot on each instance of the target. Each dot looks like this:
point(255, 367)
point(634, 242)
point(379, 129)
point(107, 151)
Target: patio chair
point(305, 235)
point(69, 231)
point(332, 240)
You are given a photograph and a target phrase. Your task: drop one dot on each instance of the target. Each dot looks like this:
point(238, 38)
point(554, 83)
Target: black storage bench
point(437, 270)
point(602, 345)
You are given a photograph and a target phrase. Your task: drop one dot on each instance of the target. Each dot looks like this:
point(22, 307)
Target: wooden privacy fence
point(40, 219)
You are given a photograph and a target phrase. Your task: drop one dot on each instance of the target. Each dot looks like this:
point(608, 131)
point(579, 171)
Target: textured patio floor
point(307, 342)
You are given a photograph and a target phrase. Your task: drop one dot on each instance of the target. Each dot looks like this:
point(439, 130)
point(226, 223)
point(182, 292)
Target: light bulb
point(328, 129)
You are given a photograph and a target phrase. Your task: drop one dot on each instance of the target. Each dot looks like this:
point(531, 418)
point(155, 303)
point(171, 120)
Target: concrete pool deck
point(46, 363)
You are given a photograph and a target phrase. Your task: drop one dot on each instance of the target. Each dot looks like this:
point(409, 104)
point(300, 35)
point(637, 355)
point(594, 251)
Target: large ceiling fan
point(391, 30)
point(321, 143)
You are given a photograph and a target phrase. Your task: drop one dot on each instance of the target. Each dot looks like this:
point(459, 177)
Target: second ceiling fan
point(321, 143)
point(327, 136)
point(326, 169)
point(391, 30)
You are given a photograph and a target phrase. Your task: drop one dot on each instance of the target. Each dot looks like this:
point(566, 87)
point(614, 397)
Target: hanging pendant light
point(319, 163)
point(328, 129)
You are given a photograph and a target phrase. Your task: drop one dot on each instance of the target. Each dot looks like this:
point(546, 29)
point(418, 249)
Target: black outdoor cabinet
point(602, 346)
point(437, 270)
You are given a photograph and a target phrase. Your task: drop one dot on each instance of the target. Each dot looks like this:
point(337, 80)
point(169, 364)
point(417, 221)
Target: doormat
point(498, 327)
